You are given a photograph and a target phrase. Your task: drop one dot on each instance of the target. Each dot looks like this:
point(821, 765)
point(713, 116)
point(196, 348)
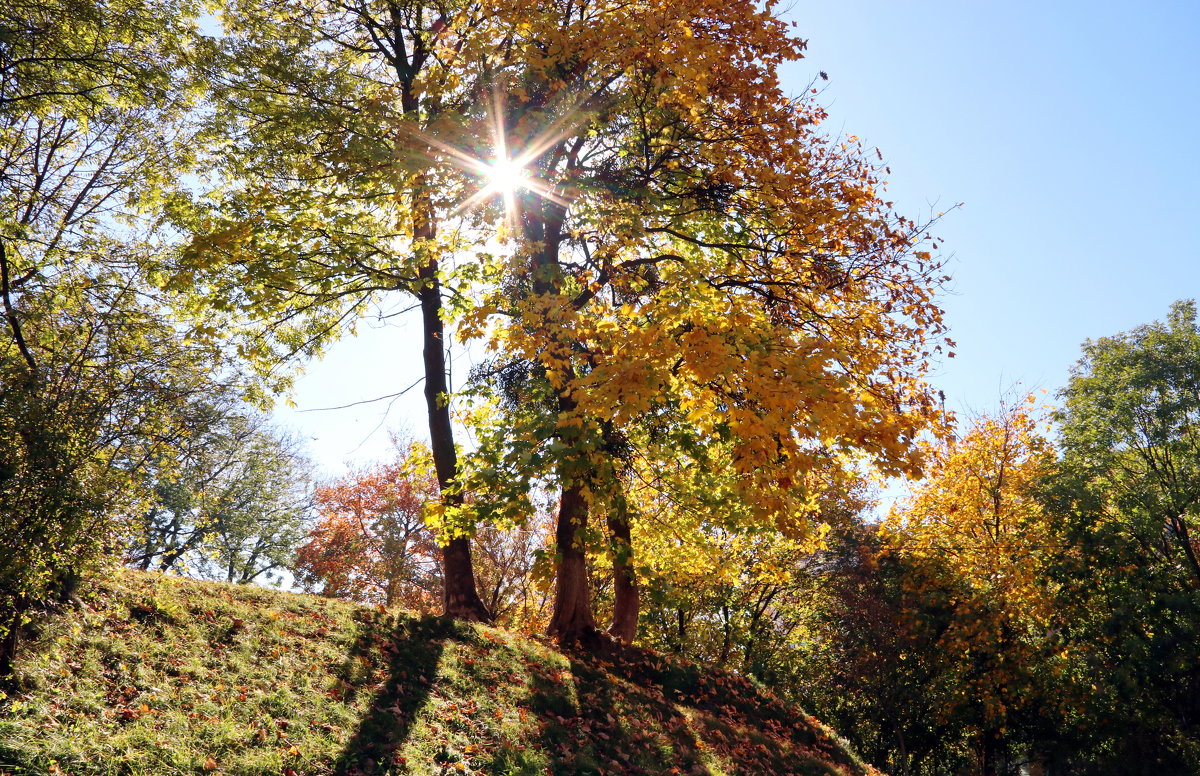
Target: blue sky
point(1069, 130)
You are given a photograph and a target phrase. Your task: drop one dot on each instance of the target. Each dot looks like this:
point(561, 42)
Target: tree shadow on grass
point(401, 659)
point(637, 712)
point(609, 710)
point(594, 720)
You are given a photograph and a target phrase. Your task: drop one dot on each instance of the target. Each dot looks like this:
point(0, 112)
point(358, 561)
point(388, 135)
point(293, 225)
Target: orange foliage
point(371, 543)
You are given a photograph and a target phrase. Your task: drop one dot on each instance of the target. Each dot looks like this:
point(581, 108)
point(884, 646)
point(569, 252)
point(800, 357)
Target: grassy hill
point(160, 675)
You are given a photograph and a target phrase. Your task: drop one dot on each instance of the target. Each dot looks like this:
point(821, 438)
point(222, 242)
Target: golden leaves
point(974, 527)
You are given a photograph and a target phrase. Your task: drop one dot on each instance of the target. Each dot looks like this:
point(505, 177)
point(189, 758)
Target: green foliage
point(83, 54)
point(323, 197)
point(1131, 427)
point(1128, 496)
point(231, 503)
point(1056, 598)
point(719, 594)
point(94, 377)
point(162, 674)
point(111, 392)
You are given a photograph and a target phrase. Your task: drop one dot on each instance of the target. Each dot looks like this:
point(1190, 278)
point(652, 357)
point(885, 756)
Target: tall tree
point(690, 245)
point(974, 535)
point(1128, 498)
point(674, 201)
point(92, 373)
point(334, 118)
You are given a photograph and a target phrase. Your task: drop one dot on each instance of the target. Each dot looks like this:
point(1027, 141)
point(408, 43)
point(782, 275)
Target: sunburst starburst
point(506, 175)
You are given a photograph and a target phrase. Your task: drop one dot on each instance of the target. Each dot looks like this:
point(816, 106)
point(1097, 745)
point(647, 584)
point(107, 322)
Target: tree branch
point(14, 322)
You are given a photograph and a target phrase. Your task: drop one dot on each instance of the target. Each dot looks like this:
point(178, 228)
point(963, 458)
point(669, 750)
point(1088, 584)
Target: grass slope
point(160, 675)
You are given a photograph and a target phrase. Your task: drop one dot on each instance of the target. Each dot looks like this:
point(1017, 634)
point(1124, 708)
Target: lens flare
point(506, 176)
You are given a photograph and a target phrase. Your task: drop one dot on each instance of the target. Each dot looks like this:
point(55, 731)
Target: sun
point(506, 176)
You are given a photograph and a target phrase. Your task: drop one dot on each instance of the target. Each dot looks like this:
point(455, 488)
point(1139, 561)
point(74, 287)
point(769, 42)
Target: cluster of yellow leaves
point(975, 511)
point(974, 531)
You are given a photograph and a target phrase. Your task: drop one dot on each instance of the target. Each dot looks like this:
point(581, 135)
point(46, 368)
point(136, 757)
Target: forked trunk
point(572, 621)
point(626, 601)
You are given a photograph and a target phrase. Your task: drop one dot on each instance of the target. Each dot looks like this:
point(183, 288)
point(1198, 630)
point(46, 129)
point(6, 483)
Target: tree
point(99, 387)
point(1131, 416)
point(688, 246)
point(975, 537)
point(92, 372)
point(371, 543)
point(1127, 495)
point(231, 502)
point(721, 587)
point(868, 660)
point(732, 600)
point(333, 197)
point(513, 573)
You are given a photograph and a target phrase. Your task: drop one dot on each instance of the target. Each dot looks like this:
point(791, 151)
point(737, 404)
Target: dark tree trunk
point(727, 638)
point(10, 639)
point(572, 621)
point(989, 756)
point(460, 599)
point(903, 749)
point(169, 559)
point(626, 601)
point(10, 315)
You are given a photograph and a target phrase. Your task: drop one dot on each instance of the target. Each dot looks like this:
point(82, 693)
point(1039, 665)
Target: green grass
point(160, 675)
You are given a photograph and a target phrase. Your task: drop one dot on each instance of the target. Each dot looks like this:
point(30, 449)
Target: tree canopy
point(685, 252)
point(94, 375)
point(705, 332)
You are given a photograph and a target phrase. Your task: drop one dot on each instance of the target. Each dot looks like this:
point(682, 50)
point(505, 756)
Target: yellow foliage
point(974, 531)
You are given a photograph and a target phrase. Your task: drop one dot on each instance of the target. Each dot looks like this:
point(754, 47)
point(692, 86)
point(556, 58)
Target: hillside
point(161, 675)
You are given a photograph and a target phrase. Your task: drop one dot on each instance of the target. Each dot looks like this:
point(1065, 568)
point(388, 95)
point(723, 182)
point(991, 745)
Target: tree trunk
point(989, 757)
point(460, 599)
point(903, 750)
point(727, 638)
point(572, 621)
point(626, 602)
point(10, 638)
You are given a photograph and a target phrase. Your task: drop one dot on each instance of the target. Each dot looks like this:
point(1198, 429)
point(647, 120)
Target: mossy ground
point(161, 675)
